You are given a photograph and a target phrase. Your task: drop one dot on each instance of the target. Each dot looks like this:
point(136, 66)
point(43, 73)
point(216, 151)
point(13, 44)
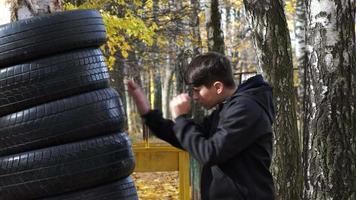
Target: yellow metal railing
point(152, 157)
point(165, 158)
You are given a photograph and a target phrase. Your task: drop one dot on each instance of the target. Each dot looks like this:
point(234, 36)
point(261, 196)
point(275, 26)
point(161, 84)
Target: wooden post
point(184, 178)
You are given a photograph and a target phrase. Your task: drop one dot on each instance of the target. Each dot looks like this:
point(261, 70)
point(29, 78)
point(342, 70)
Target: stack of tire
point(61, 126)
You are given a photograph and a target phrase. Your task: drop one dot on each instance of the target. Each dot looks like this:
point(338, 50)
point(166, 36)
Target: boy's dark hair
point(207, 68)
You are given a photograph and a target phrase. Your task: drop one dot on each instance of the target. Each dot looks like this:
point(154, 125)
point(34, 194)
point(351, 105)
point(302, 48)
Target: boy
point(233, 143)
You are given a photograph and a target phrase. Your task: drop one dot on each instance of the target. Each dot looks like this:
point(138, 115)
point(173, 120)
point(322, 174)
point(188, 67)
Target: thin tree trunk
point(197, 110)
point(227, 28)
point(128, 108)
point(214, 33)
point(182, 60)
point(194, 24)
point(167, 79)
point(158, 71)
point(158, 76)
point(273, 45)
point(331, 66)
point(304, 107)
point(120, 72)
point(168, 69)
point(300, 51)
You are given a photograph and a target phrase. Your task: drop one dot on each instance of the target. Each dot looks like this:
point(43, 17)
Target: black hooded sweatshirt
point(234, 143)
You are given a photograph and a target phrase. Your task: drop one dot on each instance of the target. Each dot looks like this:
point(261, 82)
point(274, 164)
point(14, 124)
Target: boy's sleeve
point(236, 130)
point(162, 128)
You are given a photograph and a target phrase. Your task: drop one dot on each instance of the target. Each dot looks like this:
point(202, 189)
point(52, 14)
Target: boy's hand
point(139, 97)
point(180, 105)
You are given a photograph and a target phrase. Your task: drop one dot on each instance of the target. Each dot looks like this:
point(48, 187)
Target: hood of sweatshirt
point(260, 91)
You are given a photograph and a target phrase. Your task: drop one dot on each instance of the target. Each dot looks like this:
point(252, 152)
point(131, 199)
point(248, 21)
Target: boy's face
point(205, 96)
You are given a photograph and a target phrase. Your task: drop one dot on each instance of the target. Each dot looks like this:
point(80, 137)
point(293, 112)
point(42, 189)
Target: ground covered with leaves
point(157, 185)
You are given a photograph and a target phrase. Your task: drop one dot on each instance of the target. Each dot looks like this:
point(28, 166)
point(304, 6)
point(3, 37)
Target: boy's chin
point(208, 107)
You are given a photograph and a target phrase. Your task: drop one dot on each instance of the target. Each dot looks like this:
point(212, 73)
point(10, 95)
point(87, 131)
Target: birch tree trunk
point(273, 47)
point(227, 28)
point(167, 79)
point(121, 72)
point(5, 12)
point(300, 51)
point(304, 108)
point(331, 66)
point(23, 9)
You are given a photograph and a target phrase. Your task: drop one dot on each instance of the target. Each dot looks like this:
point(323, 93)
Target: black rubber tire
point(62, 121)
point(65, 168)
point(123, 189)
point(52, 78)
point(50, 34)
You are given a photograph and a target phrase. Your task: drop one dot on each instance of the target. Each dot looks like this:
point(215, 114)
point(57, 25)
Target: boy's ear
point(219, 87)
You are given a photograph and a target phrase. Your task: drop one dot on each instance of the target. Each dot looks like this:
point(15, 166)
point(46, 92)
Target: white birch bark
point(5, 12)
point(24, 9)
point(331, 58)
point(167, 78)
point(304, 106)
point(129, 111)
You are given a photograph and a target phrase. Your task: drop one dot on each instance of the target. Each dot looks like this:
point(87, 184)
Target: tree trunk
point(272, 42)
point(214, 33)
point(5, 12)
point(331, 66)
point(300, 52)
point(169, 59)
point(167, 79)
point(304, 106)
point(227, 28)
point(23, 9)
point(158, 71)
point(121, 71)
point(197, 110)
point(194, 24)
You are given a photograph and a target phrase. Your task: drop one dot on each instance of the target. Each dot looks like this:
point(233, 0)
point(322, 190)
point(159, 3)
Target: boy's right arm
point(139, 97)
point(161, 127)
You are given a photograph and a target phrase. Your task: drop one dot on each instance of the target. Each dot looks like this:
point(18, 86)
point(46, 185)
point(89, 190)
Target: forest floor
point(157, 185)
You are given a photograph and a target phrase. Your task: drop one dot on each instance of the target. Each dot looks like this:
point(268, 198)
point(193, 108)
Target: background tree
point(214, 29)
point(332, 73)
point(303, 92)
point(273, 47)
point(215, 42)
